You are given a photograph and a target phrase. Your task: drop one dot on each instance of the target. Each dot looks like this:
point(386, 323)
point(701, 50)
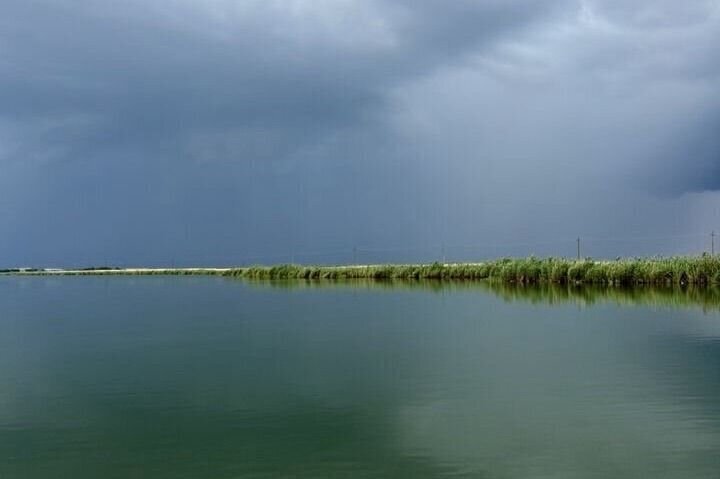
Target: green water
point(203, 377)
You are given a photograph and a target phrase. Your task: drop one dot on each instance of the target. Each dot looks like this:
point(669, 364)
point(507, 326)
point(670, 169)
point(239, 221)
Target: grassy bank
point(701, 270)
point(659, 271)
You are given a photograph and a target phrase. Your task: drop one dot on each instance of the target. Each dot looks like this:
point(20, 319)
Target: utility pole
point(712, 243)
point(578, 248)
point(443, 252)
point(354, 254)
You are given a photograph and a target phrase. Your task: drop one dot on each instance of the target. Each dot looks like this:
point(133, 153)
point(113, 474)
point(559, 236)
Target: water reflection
point(705, 297)
point(210, 377)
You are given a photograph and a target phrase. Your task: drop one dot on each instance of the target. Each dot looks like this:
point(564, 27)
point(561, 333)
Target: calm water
point(197, 377)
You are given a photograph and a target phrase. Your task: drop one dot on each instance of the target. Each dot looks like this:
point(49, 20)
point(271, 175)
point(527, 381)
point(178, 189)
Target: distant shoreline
point(113, 271)
point(699, 270)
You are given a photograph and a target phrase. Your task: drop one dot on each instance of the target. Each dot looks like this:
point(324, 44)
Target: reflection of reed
point(663, 296)
point(706, 297)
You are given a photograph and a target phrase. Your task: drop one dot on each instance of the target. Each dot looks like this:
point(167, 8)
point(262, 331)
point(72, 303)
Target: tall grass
point(699, 270)
point(657, 271)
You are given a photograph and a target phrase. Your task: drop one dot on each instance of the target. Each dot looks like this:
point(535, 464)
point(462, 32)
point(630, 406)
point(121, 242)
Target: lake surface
point(204, 377)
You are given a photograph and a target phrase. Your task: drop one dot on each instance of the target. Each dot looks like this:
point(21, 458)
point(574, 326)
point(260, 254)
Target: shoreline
point(697, 270)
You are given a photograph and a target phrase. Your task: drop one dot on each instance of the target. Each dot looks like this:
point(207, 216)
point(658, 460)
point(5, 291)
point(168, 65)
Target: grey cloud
point(690, 163)
point(650, 14)
point(144, 78)
point(223, 128)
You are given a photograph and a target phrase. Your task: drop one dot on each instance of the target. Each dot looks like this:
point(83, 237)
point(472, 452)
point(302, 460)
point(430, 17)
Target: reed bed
point(695, 270)
point(701, 270)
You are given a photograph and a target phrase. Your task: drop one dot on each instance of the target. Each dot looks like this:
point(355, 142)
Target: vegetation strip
point(700, 270)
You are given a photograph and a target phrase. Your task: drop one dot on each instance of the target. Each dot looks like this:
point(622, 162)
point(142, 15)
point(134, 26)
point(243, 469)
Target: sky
point(219, 132)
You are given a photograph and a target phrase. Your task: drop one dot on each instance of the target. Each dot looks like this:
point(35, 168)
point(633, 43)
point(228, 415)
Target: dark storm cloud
point(145, 130)
point(108, 73)
point(692, 161)
point(670, 49)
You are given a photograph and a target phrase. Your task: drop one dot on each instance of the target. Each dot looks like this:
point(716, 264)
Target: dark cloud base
point(147, 134)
